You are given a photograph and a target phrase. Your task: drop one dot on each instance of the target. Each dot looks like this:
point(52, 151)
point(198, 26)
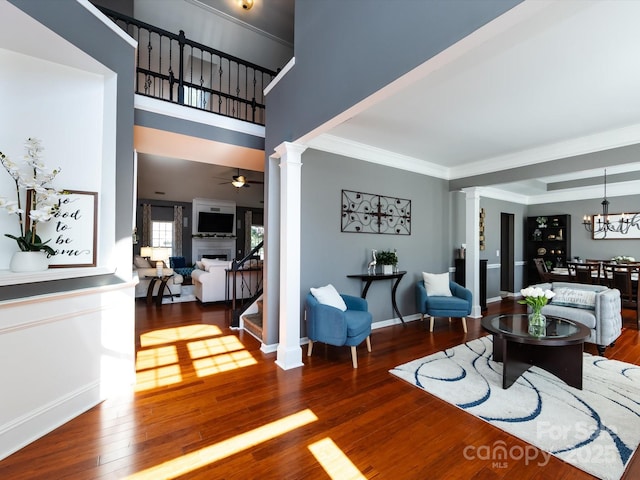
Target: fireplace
point(220, 248)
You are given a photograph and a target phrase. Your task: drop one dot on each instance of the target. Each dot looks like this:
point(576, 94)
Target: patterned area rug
point(186, 296)
point(595, 429)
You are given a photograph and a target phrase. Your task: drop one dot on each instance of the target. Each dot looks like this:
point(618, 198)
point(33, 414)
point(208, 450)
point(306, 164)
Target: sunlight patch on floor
point(334, 461)
point(209, 352)
point(176, 334)
point(213, 453)
point(158, 377)
point(223, 363)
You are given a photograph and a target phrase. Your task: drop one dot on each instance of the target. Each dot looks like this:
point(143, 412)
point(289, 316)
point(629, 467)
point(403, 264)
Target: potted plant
point(33, 192)
point(388, 260)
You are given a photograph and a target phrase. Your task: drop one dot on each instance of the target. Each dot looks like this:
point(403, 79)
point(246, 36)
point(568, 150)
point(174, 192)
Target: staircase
point(252, 322)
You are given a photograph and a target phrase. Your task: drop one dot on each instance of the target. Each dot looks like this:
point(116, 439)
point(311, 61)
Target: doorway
point(507, 257)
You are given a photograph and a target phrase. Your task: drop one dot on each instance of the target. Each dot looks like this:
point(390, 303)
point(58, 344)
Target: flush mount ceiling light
point(246, 4)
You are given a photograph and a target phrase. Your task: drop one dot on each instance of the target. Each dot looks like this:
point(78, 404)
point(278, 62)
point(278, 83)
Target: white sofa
point(142, 267)
point(600, 311)
point(211, 283)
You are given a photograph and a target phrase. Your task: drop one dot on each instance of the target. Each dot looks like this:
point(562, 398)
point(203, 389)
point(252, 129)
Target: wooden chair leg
point(449, 319)
point(464, 324)
point(431, 324)
point(354, 357)
point(310, 349)
point(369, 344)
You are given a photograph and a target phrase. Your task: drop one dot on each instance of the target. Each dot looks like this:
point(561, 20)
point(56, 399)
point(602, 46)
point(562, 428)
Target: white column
point(289, 354)
point(472, 237)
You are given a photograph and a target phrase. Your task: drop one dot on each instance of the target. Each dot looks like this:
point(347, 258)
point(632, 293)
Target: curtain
point(177, 231)
point(146, 225)
point(248, 219)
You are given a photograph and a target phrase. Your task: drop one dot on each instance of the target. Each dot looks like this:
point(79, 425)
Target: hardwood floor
point(210, 405)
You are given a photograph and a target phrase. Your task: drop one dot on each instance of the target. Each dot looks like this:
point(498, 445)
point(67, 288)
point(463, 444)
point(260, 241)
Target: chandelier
point(601, 222)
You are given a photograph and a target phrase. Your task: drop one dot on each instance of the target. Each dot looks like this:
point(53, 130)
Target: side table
point(163, 285)
point(368, 278)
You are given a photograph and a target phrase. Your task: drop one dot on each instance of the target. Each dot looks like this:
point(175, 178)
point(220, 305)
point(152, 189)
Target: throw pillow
point(437, 284)
point(141, 262)
point(214, 262)
point(328, 295)
point(570, 297)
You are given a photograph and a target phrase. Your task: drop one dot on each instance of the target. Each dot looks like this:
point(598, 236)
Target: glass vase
point(537, 324)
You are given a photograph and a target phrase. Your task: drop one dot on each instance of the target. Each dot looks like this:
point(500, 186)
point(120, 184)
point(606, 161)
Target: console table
point(369, 278)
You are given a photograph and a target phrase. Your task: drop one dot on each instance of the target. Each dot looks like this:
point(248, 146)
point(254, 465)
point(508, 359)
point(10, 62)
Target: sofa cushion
point(436, 284)
point(574, 297)
point(328, 295)
point(141, 262)
point(580, 315)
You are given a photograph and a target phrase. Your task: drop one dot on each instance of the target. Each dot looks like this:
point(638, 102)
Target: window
point(162, 235)
point(257, 236)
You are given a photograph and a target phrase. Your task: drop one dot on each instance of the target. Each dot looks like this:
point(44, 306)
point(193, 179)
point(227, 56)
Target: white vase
point(387, 269)
point(29, 262)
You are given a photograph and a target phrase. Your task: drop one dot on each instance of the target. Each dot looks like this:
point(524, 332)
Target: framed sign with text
point(73, 230)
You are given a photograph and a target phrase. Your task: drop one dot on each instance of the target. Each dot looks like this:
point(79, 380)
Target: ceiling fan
point(240, 181)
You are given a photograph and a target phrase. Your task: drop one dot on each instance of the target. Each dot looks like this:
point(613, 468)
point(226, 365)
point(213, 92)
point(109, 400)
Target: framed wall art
point(73, 230)
point(370, 213)
point(630, 230)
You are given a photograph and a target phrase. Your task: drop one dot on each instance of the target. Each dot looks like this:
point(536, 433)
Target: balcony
point(172, 68)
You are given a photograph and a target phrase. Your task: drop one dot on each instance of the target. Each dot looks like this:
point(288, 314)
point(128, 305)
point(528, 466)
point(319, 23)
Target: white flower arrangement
point(535, 297)
point(623, 259)
point(33, 190)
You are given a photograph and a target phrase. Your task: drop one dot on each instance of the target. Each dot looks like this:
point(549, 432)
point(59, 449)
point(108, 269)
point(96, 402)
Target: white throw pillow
point(569, 297)
point(214, 262)
point(437, 284)
point(328, 295)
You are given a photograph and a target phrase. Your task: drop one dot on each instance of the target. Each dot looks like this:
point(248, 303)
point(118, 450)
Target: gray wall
point(344, 53)
point(582, 244)
point(328, 255)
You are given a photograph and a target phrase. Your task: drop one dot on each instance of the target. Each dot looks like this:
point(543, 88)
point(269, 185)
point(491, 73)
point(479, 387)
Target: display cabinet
point(547, 237)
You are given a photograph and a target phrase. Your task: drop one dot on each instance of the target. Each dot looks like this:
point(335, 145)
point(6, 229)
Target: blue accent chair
point(456, 306)
point(179, 265)
point(331, 325)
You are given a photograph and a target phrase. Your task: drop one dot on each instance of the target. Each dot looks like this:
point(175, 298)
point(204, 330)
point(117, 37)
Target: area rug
point(595, 429)
point(186, 295)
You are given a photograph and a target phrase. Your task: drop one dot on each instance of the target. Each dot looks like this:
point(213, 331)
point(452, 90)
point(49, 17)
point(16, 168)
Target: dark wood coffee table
point(558, 352)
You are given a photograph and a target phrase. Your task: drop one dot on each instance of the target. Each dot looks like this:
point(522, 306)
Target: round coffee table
point(559, 351)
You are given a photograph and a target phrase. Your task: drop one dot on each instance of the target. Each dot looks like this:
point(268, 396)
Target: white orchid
point(32, 181)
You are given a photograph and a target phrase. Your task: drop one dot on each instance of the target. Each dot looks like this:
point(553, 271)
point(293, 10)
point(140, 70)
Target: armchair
point(333, 326)
point(458, 305)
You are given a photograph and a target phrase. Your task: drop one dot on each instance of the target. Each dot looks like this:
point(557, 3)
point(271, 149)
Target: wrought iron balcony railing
point(173, 68)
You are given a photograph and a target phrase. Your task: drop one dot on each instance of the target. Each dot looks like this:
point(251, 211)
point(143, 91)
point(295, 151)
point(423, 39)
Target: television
point(216, 223)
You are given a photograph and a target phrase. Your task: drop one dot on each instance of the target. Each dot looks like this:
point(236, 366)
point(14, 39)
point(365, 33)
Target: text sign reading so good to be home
point(72, 230)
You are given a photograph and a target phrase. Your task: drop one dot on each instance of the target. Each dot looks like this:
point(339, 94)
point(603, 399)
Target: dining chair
point(545, 274)
point(625, 278)
point(584, 272)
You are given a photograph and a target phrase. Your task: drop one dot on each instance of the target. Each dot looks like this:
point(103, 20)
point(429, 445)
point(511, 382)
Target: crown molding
point(341, 146)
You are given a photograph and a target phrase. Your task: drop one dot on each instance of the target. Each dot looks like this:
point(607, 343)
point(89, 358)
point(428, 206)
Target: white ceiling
point(547, 80)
